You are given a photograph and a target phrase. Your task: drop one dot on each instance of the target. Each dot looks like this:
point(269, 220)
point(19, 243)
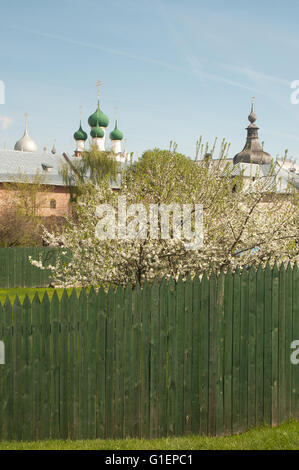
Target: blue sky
point(174, 69)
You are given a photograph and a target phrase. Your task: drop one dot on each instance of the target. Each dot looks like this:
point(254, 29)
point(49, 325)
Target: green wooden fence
point(209, 356)
point(17, 271)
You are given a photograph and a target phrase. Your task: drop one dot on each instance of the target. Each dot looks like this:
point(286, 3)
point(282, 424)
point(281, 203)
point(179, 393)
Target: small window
point(52, 204)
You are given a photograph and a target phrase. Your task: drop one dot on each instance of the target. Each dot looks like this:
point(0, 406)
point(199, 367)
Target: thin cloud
point(89, 45)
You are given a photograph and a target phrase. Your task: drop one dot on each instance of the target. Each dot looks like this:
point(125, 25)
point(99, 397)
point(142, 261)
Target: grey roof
point(15, 166)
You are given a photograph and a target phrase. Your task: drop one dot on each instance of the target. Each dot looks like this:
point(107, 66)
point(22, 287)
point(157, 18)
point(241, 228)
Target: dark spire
point(253, 151)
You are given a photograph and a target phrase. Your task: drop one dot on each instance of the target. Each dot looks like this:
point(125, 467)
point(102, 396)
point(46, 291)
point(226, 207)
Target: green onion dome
point(96, 132)
point(98, 117)
point(116, 134)
point(80, 134)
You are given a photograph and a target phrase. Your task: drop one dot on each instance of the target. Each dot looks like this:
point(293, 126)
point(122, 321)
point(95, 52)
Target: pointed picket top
point(83, 295)
point(128, 288)
point(26, 303)
point(268, 267)
point(237, 271)
point(45, 299)
point(171, 284)
point(204, 278)
point(101, 291)
point(260, 268)
point(17, 303)
point(92, 300)
point(36, 299)
point(73, 295)
point(7, 302)
point(65, 296)
point(119, 291)
point(252, 272)
point(281, 267)
point(275, 270)
point(163, 283)
point(55, 299)
point(289, 267)
point(180, 280)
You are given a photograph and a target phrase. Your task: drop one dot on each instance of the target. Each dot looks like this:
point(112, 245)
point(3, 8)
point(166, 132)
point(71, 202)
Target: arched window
point(52, 204)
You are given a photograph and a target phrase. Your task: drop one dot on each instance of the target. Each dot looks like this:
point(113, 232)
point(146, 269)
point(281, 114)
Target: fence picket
point(208, 356)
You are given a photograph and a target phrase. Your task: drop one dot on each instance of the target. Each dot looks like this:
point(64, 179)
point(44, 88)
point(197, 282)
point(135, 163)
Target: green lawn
point(21, 292)
point(283, 437)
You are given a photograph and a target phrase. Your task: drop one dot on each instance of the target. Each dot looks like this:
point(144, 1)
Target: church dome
point(96, 132)
point(26, 144)
point(253, 151)
point(80, 134)
point(98, 117)
point(116, 134)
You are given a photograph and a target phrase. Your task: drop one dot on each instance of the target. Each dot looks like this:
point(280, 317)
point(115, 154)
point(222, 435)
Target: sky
point(171, 70)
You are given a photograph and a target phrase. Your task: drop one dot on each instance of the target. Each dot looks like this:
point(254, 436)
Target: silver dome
point(26, 144)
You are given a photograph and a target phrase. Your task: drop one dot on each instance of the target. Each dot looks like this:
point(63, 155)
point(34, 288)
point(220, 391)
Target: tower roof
point(96, 132)
point(98, 117)
point(80, 134)
point(26, 144)
point(253, 151)
point(116, 134)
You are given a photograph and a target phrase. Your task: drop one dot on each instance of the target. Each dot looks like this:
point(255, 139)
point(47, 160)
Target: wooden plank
point(295, 379)
point(110, 350)
point(119, 364)
point(204, 354)
point(45, 368)
point(8, 411)
point(281, 346)
point(260, 306)
point(154, 361)
point(244, 351)
point(228, 354)
point(212, 356)
point(171, 359)
point(162, 372)
point(18, 364)
point(179, 377)
point(55, 369)
point(137, 328)
point(289, 339)
point(2, 366)
point(101, 367)
point(28, 395)
point(36, 360)
point(145, 387)
point(188, 357)
point(236, 353)
point(219, 422)
point(92, 362)
point(64, 364)
point(83, 357)
point(252, 349)
point(196, 312)
point(128, 371)
point(74, 366)
point(275, 351)
point(268, 347)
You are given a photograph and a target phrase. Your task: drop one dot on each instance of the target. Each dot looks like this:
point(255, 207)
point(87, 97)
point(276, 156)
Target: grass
point(21, 292)
point(284, 437)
